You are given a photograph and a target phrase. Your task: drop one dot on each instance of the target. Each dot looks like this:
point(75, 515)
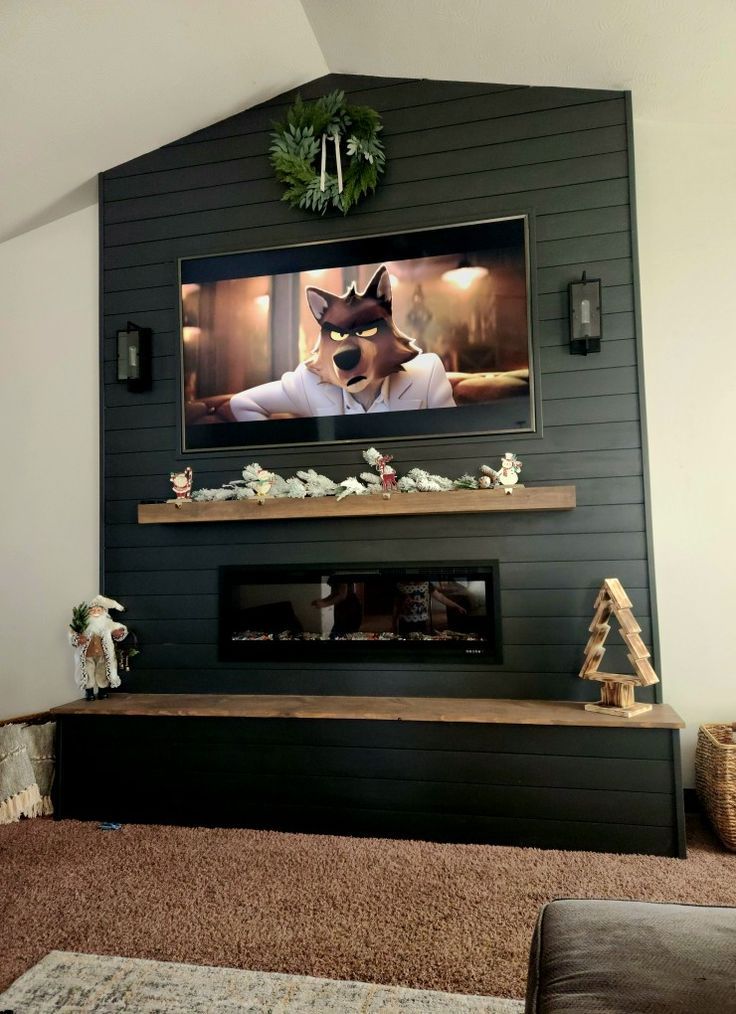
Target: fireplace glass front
point(416, 612)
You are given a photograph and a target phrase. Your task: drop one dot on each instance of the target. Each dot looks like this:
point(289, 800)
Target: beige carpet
point(455, 918)
point(69, 982)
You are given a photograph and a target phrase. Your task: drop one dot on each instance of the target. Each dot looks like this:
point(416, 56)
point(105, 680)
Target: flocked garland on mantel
point(258, 484)
point(312, 135)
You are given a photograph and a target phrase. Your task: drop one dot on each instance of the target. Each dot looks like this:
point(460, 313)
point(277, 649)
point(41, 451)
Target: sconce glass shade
point(134, 359)
point(586, 320)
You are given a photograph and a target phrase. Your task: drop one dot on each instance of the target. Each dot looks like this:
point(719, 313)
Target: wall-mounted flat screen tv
point(414, 334)
point(414, 613)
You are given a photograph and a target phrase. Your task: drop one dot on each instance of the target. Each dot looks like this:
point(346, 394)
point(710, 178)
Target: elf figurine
point(93, 634)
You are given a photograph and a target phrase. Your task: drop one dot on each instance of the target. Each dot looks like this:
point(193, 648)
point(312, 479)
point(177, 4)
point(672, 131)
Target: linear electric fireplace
point(415, 613)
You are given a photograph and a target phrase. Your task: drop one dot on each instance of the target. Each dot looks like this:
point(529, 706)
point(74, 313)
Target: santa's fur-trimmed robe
point(93, 672)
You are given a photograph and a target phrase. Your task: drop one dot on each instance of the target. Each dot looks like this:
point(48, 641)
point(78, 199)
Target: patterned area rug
point(64, 981)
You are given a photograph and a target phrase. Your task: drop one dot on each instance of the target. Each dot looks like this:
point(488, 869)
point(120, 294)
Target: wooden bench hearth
point(537, 773)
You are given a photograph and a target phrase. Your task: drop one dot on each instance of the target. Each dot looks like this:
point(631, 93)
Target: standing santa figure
point(95, 663)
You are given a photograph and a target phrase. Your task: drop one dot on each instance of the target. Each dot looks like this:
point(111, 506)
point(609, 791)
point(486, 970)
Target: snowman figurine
point(508, 475)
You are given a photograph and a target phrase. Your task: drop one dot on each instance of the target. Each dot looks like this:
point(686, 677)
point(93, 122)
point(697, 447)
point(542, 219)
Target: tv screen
point(417, 612)
point(404, 335)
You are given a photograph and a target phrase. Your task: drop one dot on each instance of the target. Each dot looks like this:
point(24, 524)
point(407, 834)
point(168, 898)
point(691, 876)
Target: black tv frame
point(365, 651)
point(464, 420)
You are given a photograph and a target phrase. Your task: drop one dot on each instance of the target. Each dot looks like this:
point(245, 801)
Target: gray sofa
point(631, 957)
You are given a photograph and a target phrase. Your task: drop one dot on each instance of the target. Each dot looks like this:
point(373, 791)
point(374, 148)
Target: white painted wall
point(50, 474)
point(687, 222)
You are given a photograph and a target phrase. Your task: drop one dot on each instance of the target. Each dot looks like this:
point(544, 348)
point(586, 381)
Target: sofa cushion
point(631, 957)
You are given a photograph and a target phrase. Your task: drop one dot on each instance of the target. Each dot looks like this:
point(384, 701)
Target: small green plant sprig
point(80, 618)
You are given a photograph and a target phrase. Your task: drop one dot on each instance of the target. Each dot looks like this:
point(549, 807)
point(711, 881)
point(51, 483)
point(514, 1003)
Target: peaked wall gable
point(457, 152)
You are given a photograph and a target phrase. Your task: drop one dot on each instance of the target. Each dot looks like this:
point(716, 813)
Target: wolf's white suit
point(422, 383)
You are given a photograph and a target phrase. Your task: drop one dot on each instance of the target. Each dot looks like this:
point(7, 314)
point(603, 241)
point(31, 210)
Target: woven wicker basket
point(715, 779)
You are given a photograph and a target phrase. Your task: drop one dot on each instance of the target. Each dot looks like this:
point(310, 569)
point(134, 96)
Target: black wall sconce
point(135, 355)
point(586, 320)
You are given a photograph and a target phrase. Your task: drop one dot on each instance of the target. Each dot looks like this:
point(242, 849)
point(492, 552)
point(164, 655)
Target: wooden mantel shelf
point(488, 711)
point(459, 501)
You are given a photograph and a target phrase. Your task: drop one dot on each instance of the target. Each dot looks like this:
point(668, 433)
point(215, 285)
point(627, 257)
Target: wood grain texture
point(459, 501)
point(32, 718)
point(495, 711)
point(623, 712)
point(528, 742)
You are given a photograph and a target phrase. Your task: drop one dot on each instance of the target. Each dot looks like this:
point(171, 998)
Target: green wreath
point(299, 146)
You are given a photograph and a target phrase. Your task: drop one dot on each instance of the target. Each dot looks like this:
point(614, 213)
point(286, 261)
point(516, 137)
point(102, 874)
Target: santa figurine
point(93, 634)
point(181, 483)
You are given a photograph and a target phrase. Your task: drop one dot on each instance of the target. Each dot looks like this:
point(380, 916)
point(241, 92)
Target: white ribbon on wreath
point(323, 171)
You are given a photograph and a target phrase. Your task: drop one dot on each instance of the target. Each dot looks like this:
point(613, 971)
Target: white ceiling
point(676, 56)
point(88, 84)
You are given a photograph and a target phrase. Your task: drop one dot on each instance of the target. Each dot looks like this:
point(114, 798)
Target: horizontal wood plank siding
point(598, 789)
point(457, 152)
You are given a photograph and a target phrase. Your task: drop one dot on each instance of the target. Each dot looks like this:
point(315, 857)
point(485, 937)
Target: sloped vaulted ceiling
point(88, 84)
point(676, 57)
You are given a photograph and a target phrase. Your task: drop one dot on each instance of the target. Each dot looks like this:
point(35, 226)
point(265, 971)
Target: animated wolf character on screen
point(361, 363)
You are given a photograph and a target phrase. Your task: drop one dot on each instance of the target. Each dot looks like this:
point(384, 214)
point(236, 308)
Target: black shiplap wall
point(457, 152)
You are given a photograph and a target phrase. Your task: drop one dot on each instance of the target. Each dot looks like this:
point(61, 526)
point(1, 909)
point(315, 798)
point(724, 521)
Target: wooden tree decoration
point(617, 691)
